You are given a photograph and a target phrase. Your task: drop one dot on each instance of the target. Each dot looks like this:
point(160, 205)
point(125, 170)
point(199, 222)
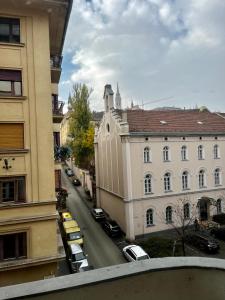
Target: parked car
point(69, 172)
point(76, 182)
point(218, 233)
point(202, 242)
point(77, 259)
point(111, 228)
point(66, 216)
point(134, 253)
point(98, 214)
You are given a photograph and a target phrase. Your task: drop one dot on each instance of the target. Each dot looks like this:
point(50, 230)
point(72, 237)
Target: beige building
point(31, 35)
point(65, 129)
point(149, 163)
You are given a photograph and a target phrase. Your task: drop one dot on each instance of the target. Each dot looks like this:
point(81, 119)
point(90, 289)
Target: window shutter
point(11, 136)
point(10, 75)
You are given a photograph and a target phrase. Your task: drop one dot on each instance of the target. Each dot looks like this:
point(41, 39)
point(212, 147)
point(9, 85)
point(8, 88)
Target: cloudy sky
point(161, 52)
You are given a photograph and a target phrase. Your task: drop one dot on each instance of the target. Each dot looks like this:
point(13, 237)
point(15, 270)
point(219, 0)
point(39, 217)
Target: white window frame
point(201, 154)
point(217, 176)
point(167, 182)
point(202, 179)
point(149, 217)
point(166, 153)
point(184, 153)
point(148, 184)
point(169, 214)
point(186, 210)
point(147, 158)
point(185, 180)
point(216, 151)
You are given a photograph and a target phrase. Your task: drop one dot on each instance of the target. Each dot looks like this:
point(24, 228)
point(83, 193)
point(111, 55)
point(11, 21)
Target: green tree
point(81, 129)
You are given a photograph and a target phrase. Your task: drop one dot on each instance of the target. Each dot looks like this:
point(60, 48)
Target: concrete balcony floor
point(163, 278)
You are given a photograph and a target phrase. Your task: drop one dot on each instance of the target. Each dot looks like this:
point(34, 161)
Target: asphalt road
point(100, 248)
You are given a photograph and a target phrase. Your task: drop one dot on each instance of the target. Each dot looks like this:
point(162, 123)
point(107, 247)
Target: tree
point(81, 129)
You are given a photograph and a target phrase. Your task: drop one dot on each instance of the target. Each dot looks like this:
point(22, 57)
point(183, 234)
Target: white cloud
point(153, 48)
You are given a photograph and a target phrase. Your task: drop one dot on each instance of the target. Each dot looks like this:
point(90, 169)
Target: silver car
point(134, 253)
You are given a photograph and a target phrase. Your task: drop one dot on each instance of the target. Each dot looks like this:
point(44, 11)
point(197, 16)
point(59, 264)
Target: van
point(77, 259)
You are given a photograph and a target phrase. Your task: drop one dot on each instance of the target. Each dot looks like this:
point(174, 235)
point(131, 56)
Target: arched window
point(148, 183)
point(201, 179)
point(169, 216)
point(167, 182)
point(200, 152)
point(217, 176)
point(166, 153)
point(149, 217)
point(219, 206)
point(186, 211)
point(146, 155)
point(183, 153)
point(216, 152)
point(185, 183)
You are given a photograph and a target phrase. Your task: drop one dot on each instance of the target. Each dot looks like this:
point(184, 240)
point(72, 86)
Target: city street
point(100, 248)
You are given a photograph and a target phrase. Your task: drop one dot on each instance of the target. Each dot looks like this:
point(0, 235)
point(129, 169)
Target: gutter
point(167, 134)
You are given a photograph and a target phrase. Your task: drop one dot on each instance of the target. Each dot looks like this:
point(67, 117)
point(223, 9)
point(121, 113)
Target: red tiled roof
point(174, 121)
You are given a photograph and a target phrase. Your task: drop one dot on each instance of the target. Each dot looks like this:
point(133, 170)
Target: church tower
point(108, 97)
point(118, 98)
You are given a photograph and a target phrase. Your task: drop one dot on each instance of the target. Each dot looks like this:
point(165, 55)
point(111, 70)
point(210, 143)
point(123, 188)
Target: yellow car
point(66, 216)
point(69, 224)
point(73, 235)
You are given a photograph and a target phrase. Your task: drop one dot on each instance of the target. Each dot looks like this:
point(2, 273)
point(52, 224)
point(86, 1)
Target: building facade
point(31, 40)
point(152, 164)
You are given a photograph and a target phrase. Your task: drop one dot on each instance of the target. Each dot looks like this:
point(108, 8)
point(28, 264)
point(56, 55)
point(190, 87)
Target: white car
point(134, 253)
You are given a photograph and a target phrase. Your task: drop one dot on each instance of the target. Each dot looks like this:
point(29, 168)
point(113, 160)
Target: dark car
point(76, 182)
point(111, 228)
point(69, 172)
point(203, 242)
point(218, 233)
point(98, 214)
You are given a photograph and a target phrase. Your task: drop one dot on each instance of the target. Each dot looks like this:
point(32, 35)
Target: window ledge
point(147, 194)
point(218, 184)
point(147, 162)
point(170, 191)
point(166, 160)
point(12, 44)
point(13, 97)
point(187, 189)
point(13, 151)
point(184, 159)
point(169, 222)
point(151, 225)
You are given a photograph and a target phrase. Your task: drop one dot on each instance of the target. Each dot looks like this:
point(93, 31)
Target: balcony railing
point(56, 61)
point(57, 108)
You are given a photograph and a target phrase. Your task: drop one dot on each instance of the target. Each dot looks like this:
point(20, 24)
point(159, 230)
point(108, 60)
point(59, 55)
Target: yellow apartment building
point(31, 40)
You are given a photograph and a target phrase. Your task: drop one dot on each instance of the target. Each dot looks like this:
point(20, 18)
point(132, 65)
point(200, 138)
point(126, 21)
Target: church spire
point(118, 98)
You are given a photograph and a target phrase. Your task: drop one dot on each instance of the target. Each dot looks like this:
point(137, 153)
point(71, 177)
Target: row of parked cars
point(74, 241)
point(130, 252)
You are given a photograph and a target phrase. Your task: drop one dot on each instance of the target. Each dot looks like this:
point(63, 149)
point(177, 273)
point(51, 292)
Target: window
point(10, 83)
point(183, 153)
point(146, 155)
point(200, 152)
point(148, 183)
point(166, 153)
point(56, 136)
point(201, 178)
point(149, 217)
point(11, 136)
point(217, 176)
point(216, 152)
point(167, 182)
point(186, 211)
point(169, 218)
point(13, 246)
point(12, 189)
point(9, 30)
point(219, 206)
point(185, 180)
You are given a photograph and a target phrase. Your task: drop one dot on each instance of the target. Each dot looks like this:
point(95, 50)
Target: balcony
point(55, 63)
point(57, 109)
point(171, 278)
